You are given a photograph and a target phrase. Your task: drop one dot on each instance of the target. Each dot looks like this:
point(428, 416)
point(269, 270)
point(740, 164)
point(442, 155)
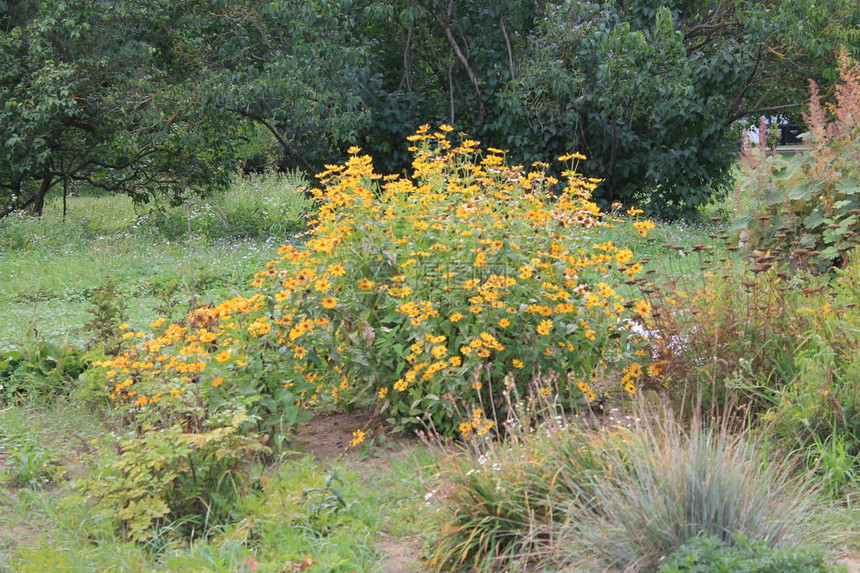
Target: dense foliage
point(806, 208)
point(163, 98)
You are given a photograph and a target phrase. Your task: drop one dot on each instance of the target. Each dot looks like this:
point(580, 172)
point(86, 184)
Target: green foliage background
point(163, 98)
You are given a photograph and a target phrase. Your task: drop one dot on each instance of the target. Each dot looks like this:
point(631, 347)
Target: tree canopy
point(161, 98)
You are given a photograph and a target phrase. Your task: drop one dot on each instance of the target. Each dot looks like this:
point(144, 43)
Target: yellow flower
point(123, 326)
point(569, 156)
point(217, 381)
point(438, 351)
point(446, 128)
point(504, 322)
point(223, 356)
point(329, 302)
point(544, 327)
point(517, 363)
point(322, 285)
point(400, 385)
point(354, 150)
point(643, 308)
point(383, 392)
point(357, 437)
point(365, 284)
point(544, 390)
point(157, 323)
point(456, 317)
point(456, 361)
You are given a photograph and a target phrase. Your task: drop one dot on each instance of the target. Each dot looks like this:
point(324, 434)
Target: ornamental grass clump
point(665, 485)
point(561, 497)
point(432, 294)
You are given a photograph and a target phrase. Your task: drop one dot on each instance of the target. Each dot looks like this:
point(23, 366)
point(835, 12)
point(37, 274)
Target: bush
point(742, 555)
point(502, 507)
point(38, 369)
point(781, 347)
point(808, 211)
point(434, 295)
point(169, 475)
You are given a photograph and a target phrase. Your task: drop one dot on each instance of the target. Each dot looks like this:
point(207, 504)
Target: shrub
point(743, 555)
point(502, 507)
point(756, 337)
point(433, 294)
point(190, 479)
point(808, 211)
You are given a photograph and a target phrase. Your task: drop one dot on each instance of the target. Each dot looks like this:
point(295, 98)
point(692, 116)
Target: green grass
point(201, 252)
point(278, 523)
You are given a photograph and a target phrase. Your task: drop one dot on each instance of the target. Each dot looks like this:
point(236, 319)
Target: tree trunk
point(38, 205)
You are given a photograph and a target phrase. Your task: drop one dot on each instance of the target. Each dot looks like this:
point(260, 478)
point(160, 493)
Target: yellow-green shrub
point(432, 293)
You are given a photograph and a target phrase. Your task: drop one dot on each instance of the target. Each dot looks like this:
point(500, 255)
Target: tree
point(106, 94)
point(297, 69)
point(650, 89)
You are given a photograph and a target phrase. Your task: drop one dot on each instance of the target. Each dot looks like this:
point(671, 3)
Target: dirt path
point(853, 563)
point(327, 437)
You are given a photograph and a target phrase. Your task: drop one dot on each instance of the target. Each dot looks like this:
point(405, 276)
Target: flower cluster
point(433, 294)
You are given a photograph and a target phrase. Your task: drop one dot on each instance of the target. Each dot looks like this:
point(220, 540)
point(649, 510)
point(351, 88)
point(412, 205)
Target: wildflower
point(217, 381)
point(383, 392)
point(643, 227)
point(517, 363)
point(329, 302)
point(544, 327)
point(322, 285)
point(223, 356)
point(569, 156)
point(357, 437)
point(504, 322)
point(401, 385)
point(643, 308)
